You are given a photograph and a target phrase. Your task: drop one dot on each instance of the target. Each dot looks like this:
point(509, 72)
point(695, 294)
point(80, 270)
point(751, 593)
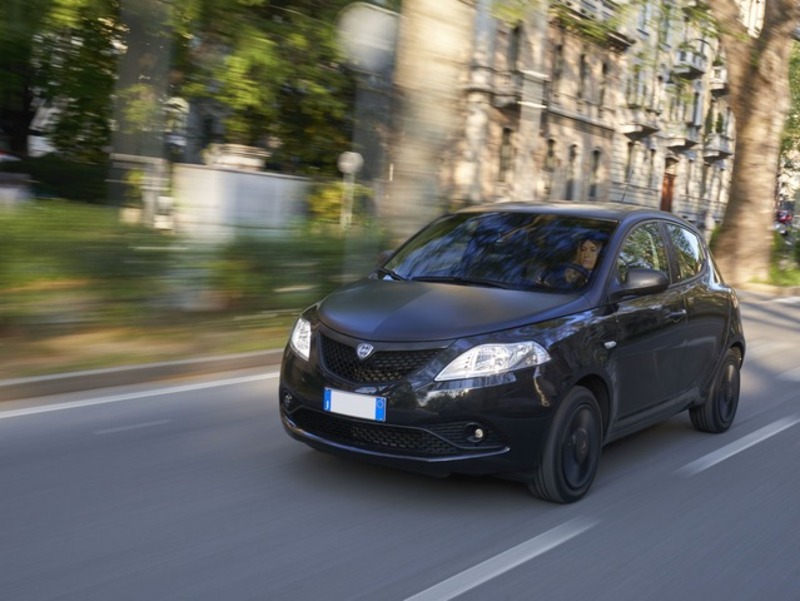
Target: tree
point(274, 67)
point(74, 61)
point(19, 21)
point(271, 67)
point(758, 77)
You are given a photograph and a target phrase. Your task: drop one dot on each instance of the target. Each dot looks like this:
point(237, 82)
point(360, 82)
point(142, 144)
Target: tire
point(572, 449)
point(718, 411)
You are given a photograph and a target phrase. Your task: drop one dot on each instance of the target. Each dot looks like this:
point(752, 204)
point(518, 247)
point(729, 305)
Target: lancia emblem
point(364, 350)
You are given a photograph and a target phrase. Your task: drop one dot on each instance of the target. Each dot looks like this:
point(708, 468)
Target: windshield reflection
point(518, 251)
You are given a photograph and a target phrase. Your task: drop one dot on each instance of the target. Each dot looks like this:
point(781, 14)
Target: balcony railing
point(683, 137)
point(640, 122)
point(690, 64)
point(507, 88)
point(719, 80)
point(716, 147)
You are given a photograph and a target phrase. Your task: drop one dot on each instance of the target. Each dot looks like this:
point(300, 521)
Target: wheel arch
point(598, 387)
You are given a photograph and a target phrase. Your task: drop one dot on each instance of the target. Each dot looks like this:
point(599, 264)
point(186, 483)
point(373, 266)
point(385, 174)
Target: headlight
point(301, 338)
point(493, 359)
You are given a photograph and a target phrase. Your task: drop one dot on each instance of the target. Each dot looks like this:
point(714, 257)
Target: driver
point(586, 255)
point(577, 272)
point(585, 258)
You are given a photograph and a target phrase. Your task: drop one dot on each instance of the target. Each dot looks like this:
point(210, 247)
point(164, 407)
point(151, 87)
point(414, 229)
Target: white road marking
point(728, 451)
point(766, 348)
point(134, 395)
point(788, 300)
point(160, 422)
point(505, 561)
point(793, 375)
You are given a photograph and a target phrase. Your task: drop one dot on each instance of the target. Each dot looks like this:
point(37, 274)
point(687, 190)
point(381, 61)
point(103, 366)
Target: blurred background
point(181, 177)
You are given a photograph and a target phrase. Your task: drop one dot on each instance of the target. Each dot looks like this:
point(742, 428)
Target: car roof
point(615, 211)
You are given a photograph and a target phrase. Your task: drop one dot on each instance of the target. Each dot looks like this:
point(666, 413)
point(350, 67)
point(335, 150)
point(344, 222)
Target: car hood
point(405, 311)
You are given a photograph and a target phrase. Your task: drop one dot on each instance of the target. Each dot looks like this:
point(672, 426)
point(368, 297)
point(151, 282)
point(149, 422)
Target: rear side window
point(643, 247)
point(689, 250)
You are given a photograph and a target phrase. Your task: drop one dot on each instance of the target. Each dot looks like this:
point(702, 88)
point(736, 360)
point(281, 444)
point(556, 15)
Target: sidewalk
point(22, 388)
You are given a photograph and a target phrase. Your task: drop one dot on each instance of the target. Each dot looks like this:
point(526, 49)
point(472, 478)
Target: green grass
point(785, 268)
point(81, 290)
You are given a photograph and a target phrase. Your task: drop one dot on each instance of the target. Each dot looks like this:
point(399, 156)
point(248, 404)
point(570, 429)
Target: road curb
point(770, 290)
point(22, 388)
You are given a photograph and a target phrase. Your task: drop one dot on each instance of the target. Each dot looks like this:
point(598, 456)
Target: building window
point(558, 66)
point(549, 166)
point(571, 172)
point(514, 47)
point(629, 162)
point(603, 85)
point(651, 169)
point(595, 175)
point(506, 152)
point(584, 77)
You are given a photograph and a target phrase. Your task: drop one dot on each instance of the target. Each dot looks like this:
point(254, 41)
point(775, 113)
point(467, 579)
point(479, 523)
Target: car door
point(648, 353)
point(706, 307)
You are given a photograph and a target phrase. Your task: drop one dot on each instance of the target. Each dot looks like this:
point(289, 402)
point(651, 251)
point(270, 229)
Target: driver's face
point(587, 254)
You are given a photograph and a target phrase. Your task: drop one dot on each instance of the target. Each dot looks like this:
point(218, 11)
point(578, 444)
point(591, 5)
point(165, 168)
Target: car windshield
point(514, 250)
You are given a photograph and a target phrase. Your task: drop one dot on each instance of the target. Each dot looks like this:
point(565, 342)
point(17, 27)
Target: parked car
point(516, 340)
point(783, 221)
point(7, 158)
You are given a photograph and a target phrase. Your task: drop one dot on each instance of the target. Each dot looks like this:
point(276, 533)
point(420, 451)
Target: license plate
point(355, 405)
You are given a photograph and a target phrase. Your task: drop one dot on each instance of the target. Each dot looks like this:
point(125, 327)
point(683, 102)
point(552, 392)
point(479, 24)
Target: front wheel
point(716, 414)
point(572, 450)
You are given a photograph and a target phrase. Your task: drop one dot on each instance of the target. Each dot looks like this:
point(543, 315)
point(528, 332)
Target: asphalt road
point(191, 491)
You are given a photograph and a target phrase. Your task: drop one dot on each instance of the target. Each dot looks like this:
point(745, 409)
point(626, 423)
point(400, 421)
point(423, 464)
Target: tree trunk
point(430, 57)
point(758, 74)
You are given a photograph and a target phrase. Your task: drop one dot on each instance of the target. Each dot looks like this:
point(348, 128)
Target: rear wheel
point(572, 450)
point(716, 414)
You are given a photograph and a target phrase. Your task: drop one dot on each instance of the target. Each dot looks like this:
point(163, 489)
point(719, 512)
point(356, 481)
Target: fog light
point(288, 399)
point(475, 433)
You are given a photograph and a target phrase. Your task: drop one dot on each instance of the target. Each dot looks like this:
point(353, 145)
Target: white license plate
point(355, 405)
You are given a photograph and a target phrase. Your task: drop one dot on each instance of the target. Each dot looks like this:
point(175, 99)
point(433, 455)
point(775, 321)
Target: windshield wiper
point(390, 273)
point(460, 280)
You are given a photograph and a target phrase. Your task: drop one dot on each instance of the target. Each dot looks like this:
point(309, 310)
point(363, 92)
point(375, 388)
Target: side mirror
point(640, 282)
point(382, 257)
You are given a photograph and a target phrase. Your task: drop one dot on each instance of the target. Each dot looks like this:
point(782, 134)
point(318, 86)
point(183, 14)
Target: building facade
point(588, 100)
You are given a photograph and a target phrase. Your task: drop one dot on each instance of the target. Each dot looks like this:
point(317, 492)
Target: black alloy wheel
point(572, 450)
point(718, 411)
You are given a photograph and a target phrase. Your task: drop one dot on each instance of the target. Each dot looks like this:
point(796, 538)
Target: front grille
point(382, 367)
point(385, 438)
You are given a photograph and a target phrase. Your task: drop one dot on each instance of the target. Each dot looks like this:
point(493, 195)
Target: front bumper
point(430, 426)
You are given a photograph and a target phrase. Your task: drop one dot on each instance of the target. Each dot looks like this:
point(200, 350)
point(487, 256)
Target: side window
point(689, 249)
point(644, 247)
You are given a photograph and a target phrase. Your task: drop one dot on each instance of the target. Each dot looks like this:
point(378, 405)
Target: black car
point(516, 340)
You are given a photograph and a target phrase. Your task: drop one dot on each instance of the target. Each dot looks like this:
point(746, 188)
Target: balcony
point(716, 147)
point(719, 80)
point(640, 123)
point(681, 138)
point(690, 64)
point(507, 88)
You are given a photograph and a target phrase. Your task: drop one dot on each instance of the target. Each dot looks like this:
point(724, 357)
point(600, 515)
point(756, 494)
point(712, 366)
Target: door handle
point(676, 316)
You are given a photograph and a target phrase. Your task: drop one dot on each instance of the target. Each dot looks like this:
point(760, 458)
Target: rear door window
point(689, 251)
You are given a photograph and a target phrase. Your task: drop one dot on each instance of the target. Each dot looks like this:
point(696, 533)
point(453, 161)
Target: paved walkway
point(22, 388)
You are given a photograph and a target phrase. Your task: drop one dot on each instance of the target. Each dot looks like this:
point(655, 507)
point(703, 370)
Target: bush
point(55, 177)
point(325, 203)
point(295, 271)
point(64, 258)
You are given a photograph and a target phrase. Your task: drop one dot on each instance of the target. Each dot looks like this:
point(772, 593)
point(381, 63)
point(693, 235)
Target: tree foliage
point(270, 68)
point(791, 132)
